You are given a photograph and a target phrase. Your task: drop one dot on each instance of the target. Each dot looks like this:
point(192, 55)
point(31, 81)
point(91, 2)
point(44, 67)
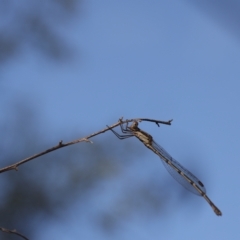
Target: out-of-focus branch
point(84, 139)
point(13, 232)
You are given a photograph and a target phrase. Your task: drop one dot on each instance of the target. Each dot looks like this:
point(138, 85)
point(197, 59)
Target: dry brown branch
point(61, 145)
point(84, 139)
point(13, 232)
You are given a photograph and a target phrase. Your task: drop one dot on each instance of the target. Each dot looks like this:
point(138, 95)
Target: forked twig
point(84, 139)
point(157, 121)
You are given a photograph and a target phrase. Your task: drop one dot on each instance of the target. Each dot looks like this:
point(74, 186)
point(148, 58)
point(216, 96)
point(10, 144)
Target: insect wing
point(165, 157)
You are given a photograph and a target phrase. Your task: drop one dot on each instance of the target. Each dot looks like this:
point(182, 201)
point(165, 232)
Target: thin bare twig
point(13, 232)
point(157, 121)
point(84, 139)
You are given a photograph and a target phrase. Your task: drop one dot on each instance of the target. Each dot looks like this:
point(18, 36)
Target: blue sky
point(158, 59)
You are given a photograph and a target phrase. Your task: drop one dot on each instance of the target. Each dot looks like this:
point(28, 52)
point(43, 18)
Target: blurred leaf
point(33, 24)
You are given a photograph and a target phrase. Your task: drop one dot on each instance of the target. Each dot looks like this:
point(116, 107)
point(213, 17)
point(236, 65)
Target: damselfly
point(181, 174)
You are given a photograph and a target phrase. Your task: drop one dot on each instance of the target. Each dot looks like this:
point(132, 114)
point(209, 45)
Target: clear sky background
point(151, 59)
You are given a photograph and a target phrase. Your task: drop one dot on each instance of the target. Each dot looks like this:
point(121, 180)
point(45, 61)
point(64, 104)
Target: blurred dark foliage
point(144, 200)
point(224, 12)
point(42, 189)
point(32, 24)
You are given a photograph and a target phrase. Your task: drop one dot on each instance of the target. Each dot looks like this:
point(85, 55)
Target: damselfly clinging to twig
point(181, 174)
